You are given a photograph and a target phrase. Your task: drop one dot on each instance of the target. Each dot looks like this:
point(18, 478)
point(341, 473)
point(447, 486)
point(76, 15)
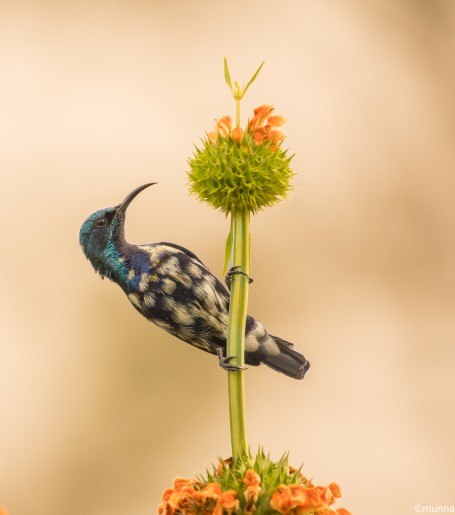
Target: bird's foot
point(225, 362)
point(233, 271)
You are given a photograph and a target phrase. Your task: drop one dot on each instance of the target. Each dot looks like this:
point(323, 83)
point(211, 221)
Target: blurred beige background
point(99, 409)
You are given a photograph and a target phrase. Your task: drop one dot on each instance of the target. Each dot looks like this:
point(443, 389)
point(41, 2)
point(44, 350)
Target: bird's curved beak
point(121, 208)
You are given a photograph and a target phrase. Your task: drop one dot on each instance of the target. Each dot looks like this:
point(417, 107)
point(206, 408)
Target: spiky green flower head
point(237, 170)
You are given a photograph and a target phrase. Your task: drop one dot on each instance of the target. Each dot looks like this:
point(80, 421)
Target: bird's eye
point(101, 222)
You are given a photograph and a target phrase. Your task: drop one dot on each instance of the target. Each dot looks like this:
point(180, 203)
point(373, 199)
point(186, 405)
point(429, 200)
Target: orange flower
point(227, 503)
point(190, 496)
point(224, 125)
point(208, 497)
point(261, 114)
point(180, 498)
point(275, 121)
point(224, 129)
point(262, 125)
point(166, 495)
point(275, 136)
point(212, 489)
point(327, 495)
point(181, 482)
point(302, 500)
point(252, 491)
point(258, 137)
point(163, 509)
point(213, 136)
point(335, 489)
point(282, 500)
point(251, 478)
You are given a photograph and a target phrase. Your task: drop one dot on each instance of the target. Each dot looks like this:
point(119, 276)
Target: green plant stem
point(237, 112)
point(240, 227)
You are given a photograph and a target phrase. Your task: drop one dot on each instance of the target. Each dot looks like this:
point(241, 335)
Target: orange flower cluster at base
point(307, 500)
point(193, 497)
point(190, 496)
point(262, 126)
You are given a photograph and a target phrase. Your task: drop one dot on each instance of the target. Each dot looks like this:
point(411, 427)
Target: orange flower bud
point(258, 138)
point(237, 134)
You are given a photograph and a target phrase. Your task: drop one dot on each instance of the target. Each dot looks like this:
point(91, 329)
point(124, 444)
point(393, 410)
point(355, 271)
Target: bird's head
point(103, 230)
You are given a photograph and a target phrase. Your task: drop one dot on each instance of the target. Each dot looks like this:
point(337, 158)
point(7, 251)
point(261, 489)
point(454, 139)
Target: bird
point(171, 287)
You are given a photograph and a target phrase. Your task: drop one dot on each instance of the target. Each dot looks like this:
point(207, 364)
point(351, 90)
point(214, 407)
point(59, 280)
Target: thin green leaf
point(227, 75)
point(228, 251)
point(253, 78)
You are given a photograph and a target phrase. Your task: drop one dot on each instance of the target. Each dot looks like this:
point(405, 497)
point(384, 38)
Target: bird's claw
point(233, 271)
point(224, 362)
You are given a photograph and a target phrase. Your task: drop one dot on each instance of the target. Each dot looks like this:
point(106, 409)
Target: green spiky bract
point(241, 176)
point(272, 475)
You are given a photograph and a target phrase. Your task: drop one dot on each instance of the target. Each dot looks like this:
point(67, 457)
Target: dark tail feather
point(288, 361)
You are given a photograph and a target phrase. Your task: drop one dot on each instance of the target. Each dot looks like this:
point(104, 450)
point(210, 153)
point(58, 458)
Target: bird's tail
point(288, 361)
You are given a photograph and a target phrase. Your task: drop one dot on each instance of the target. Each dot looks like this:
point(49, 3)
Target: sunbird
point(171, 287)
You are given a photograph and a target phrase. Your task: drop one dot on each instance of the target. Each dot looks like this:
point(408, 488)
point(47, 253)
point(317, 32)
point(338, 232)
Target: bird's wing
point(163, 256)
point(187, 296)
point(219, 286)
point(182, 249)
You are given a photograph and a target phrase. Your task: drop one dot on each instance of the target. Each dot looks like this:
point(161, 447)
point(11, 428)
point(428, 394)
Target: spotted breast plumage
point(171, 287)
